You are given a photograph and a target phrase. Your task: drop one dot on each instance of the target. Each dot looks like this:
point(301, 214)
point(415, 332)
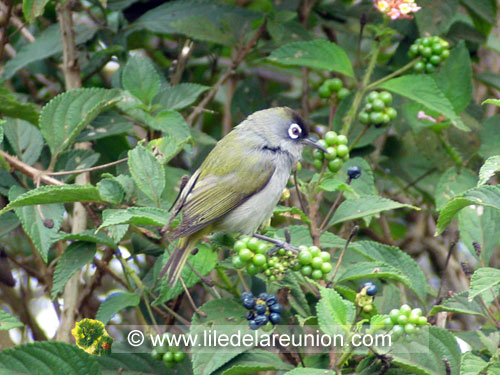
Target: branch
point(28, 170)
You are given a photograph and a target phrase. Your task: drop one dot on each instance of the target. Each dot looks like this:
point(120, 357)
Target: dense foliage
point(106, 105)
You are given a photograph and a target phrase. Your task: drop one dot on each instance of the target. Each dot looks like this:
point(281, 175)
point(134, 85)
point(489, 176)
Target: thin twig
point(28, 170)
point(5, 26)
point(299, 196)
point(96, 168)
point(190, 299)
point(333, 207)
point(354, 231)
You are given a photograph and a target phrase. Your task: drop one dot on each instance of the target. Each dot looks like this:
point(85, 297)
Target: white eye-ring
point(294, 131)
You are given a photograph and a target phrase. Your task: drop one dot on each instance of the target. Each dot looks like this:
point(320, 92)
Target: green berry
point(367, 308)
point(394, 315)
point(335, 165)
point(238, 263)
point(252, 269)
point(306, 270)
point(179, 356)
point(343, 93)
point(397, 330)
point(368, 107)
point(316, 263)
point(378, 105)
point(239, 245)
point(259, 259)
point(342, 150)
point(169, 364)
point(305, 257)
point(245, 255)
point(386, 118)
point(324, 91)
point(325, 256)
point(403, 319)
point(413, 318)
point(410, 328)
point(435, 60)
point(426, 42)
point(444, 43)
point(318, 164)
point(168, 357)
point(272, 278)
point(317, 275)
point(376, 118)
point(364, 118)
point(315, 251)
point(372, 96)
point(331, 138)
point(422, 320)
point(417, 311)
point(334, 84)
point(281, 252)
point(326, 268)
point(296, 267)
point(342, 139)
point(391, 112)
point(386, 97)
point(430, 68)
point(155, 354)
point(445, 54)
point(262, 249)
point(388, 322)
point(268, 272)
point(413, 50)
point(426, 52)
point(331, 153)
point(437, 48)
point(419, 66)
point(253, 244)
point(405, 310)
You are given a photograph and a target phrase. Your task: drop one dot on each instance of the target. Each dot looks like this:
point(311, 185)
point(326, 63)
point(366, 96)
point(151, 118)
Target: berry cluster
point(337, 154)
point(364, 298)
point(331, 86)
point(313, 262)
point(250, 253)
point(170, 357)
point(405, 320)
point(377, 110)
point(433, 51)
point(263, 309)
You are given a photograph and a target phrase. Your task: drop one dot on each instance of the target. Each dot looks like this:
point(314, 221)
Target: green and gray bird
point(240, 182)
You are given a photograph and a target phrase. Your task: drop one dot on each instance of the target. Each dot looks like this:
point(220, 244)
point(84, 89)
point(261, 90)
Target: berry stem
point(354, 231)
point(393, 74)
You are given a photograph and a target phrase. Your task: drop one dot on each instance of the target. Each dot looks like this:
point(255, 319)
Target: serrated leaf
point(110, 190)
point(47, 358)
point(135, 216)
point(74, 159)
point(424, 90)
point(352, 209)
point(11, 107)
point(490, 142)
point(309, 371)
point(204, 261)
point(167, 147)
point(147, 172)
point(8, 223)
point(33, 8)
point(255, 361)
point(139, 364)
point(316, 54)
point(335, 314)
point(86, 236)
point(377, 269)
point(75, 256)
point(114, 303)
point(46, 44)
point(485, 195)
point(459, 303)
point(472, 364)
point(492, 101)
point(452, 183)
point(484, 279)
point(488, 169)
point(25, 139)
point(175, 125)
point(65, 116)
point(8, 321)
point(107, 124)
point(54, 194)
point(33, 223)
point(180, 96)
point(140, 78)
point(435, 16)
point(292, 212)
point(365, 185)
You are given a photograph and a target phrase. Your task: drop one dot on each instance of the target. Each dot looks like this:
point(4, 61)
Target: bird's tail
point(177, 261)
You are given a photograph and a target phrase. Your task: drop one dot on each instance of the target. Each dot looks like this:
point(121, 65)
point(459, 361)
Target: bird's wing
point(213, 195)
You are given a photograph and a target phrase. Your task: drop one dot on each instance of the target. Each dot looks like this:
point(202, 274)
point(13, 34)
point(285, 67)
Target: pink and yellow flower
point(397, 8)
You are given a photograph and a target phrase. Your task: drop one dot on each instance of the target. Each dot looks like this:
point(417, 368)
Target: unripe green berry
point(262, 249)
point(253, 244)
point(435, 60)
point(324, 91)
point(334, 84)
point(331, 138)
point(316, 263)
point(376, 118)
point(343, 93)
point(419, 66)
point(335, 165)
point(445, 54)
point(372, 96)
point(157, 355)
point(342, 139)
point(413, 50)
point(325, 256)
point(238, 245)
point(238, 263)
point(410, 328)
point(306, 270)
point(388, 322)
point(367, 308)
point(169, 364)
point(317, 275)
point(259, 259)
point(413, 318)
point(331, 153)
point(394, 315)
point(405, 310)
point(422, 321)
point(168, 357)
point(430, 68)
point(397, 330)
point(403, 319)
point(318, 164)
point(245, 255)
point(342, 150)
point(391, 112)
point(426, 42)
point(179, 356)
point(386, 97)
point(426, 52)
point(417, 311)
point(315, 251)
point(364, 117)
point(437, 48)
point(272, 278)
point(305, 257)
point(252, 269)
point(378, 105)
point(386, 118)
point(326, 268)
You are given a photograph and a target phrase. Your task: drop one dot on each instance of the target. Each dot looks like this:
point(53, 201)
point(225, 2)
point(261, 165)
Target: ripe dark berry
point(371, 288)
point(276, 308)
point(246, 295)
point(274, 318)
point(354, 172)
point(271, 300)
point(261, 320)
point(253, 324)
point(249, 303)
point(260, 309)
point(263, 296)
point(250, 315)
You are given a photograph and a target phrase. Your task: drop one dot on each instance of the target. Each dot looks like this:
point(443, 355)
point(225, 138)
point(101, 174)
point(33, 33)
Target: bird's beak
point(310, 142)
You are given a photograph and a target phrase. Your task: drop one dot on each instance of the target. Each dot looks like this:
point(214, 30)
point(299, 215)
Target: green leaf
point(75, 256)
point(375, 269)
point(140, 78)
point(335, 314)
point(484, 9)
point(365, 185)
point(204, 261)
point(86, 236)
point(459, 303)
point(139, 364)
point(174, 125)
point(424, 90)
point(180, 96)
point(484, 279)
point(488, 169)
point(352, 209)
point(74, 159)
point(455, 78)
point(397, 258)
point(110, 190)
point(33, 8)
point(492, 101)
point(11, 107)
point(8, 223)
point(452, 183)
point(135, 216)
point(291, 212)
point(317, 54)
point(54, 194)
point(115, 303)
point(48, 43)
point(24, 138)
point(167, 147)
point(33, 224)
point(255, 361)
point(8, 321)
point(65, 116)
point(107, 124)
point(490, 142)
point(309, 371)
point(147, 172)
point(472, 364)
point(47, 358)
point(485, 195)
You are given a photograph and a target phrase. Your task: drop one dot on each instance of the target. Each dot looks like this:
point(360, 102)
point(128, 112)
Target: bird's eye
point(294, 131)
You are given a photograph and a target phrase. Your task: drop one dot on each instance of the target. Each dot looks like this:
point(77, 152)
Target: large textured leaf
point(139, 364)
point(309, 371)
point(460, 304)
point(48, 43)
point(352, 209)
point(11, 107)
point(114, 303)
point(490, 142)
point(74, 257)
point(105, 125)
point(335, 314)
point(436, 16)
point(180, 96)
point(74, 159)
point(174, 125)
point(25, 139)
point(47, 358)
point(65, 116)
point(472, 364)
point(317, 54)
point(111, 190)
point(140, 77)
point(482, 280)
point(377, 269)
point(87, 236)
point(485, 195)
point(33, 8)
point(483, 9)
point(34, 224)
point(8, 321)
point(452, 183)
point(424, 90)
point(255, 361)
point(54, 194)
point(136, 216)
point(488, 169)
point(147, 172)
point(365, 185)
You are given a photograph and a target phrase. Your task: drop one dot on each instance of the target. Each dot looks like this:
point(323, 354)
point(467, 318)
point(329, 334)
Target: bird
point(240, 182)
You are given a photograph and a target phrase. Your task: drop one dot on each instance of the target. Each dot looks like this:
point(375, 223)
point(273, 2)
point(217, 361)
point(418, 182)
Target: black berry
point(354, 172)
